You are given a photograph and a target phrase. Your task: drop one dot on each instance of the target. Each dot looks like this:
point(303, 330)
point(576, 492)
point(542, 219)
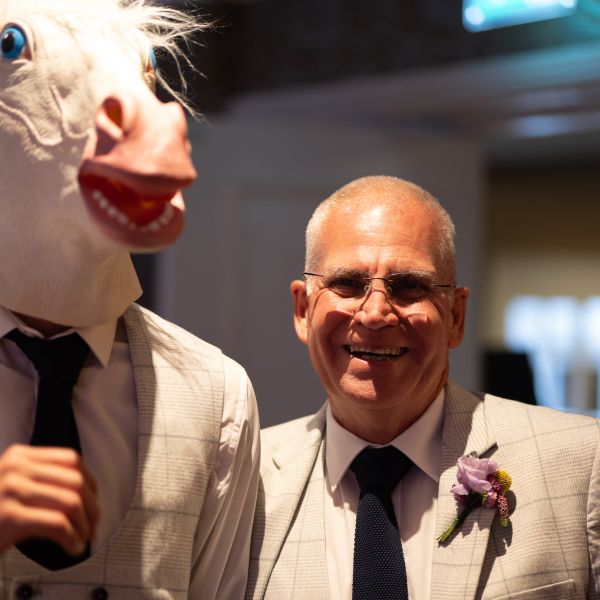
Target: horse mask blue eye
point(13, 42)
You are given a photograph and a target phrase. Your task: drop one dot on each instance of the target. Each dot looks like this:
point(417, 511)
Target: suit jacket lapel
point(457, 563)
point(294, 506)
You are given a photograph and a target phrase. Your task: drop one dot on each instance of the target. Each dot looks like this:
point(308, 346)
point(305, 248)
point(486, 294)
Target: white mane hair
point(165, 29)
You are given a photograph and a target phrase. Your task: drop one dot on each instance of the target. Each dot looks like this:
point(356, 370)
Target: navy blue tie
point(58, 363)
point(379, 570)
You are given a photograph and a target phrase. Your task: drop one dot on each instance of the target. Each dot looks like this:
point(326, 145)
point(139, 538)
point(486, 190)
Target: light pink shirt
point(105, 406)
point(414, 499)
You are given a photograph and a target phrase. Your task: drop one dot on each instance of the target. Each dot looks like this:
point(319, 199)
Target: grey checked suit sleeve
point(222, 543)
point(593, 525)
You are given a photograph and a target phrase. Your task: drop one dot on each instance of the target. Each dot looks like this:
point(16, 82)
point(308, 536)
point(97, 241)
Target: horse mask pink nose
point(132, 181)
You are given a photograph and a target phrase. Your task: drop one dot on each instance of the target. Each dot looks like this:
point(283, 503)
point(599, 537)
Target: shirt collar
point(421, 442)
point(98, 337)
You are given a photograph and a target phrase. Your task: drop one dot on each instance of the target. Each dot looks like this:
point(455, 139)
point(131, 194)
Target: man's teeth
point(375, 353)
point(114, 213)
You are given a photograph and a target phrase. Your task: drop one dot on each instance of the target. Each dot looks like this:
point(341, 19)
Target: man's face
point(373, 354)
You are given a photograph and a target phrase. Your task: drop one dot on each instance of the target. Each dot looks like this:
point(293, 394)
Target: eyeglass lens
point(400, 287)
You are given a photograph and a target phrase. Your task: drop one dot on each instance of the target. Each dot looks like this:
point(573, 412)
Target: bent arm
point(593, 525)
point(222, 544)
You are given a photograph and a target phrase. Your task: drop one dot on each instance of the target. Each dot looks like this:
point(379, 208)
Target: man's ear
point(300, 299)
point(458, 312)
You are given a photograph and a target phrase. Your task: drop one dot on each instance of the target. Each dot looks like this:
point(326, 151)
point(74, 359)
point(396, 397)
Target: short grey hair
point(386, 189)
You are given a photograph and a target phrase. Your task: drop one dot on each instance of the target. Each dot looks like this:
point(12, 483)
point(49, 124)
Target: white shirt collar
point(421, 442)
point(99, 338)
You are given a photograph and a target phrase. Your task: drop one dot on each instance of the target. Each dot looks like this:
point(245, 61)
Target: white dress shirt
point(414, 499)
point(105, 407)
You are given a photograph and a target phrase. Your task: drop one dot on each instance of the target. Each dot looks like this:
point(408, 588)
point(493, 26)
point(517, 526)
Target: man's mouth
point(371, 353)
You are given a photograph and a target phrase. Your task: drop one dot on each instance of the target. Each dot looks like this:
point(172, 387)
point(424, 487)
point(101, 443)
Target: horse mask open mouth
point(131, 184)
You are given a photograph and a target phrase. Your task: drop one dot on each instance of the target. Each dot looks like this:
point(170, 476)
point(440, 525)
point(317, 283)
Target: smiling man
point(356, 496)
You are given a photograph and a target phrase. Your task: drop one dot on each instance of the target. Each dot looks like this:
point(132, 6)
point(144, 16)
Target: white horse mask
point(91, 163)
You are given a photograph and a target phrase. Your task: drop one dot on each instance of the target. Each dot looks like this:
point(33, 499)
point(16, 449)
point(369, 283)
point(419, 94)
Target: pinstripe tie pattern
point(379, 571)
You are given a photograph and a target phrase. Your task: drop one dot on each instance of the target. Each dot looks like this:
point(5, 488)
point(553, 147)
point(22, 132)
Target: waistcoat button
point(99, 593)
point(24, 592)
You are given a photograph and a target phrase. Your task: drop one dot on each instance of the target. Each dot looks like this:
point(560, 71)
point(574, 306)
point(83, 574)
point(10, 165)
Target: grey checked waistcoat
point(180, 387)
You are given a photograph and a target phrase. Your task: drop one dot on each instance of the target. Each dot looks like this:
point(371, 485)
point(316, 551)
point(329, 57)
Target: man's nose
point(375, 311)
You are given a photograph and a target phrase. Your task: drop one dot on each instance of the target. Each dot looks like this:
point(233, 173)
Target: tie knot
point(380, 468)
point(59, 359)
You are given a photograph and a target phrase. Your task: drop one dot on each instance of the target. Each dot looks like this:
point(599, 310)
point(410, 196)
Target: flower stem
point(473, 500)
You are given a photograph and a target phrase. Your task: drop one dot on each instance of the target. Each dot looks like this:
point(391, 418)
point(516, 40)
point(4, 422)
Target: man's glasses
point(402, 288)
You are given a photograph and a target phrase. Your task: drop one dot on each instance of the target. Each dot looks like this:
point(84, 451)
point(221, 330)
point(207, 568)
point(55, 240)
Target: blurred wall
point(542, 238)
point(227, 278)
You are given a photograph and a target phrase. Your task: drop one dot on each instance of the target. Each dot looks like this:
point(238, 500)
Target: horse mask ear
point(76, 199)
point(150, 70)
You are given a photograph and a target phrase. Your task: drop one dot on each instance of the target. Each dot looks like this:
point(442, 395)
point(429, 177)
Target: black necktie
point(58, 363)
point(379, 570)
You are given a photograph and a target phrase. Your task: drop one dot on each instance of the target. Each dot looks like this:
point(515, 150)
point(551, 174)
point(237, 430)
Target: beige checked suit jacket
point(180, 388)
point(550, 551)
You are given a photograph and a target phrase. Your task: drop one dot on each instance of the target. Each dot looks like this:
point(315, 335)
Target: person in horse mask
point(128, 447)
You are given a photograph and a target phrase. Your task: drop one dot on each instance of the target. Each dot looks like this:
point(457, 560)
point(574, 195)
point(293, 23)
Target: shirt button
point(24, 592)
point(99, 593)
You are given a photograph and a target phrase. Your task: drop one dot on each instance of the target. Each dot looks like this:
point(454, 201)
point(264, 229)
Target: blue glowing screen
point(490, 14)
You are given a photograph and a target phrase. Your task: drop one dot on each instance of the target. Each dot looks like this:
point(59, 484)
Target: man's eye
point(346, 286)
point(408, 287)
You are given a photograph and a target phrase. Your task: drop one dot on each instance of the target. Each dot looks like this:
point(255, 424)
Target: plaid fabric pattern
point(551, 550)
point(287, 557)
point(180, 384)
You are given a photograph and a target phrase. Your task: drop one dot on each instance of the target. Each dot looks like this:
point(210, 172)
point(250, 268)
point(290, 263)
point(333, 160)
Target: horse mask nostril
point(110, 124)
point(114, 111)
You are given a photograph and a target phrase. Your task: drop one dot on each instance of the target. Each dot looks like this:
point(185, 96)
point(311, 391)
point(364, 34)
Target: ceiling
point(531, 93)
point(539, 105)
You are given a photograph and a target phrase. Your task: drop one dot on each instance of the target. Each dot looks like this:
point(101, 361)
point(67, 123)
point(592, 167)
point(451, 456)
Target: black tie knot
point(60, 359)
point(380, 468)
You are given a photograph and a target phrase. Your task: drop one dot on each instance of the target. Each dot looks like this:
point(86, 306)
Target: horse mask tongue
point(91, 163)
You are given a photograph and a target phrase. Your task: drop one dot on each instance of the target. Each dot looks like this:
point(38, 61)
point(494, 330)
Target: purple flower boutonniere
point(479, 482)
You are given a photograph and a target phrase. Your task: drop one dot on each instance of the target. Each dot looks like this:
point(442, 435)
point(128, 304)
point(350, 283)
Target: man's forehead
point(362, 239)
point(368, 258)
point(380, 222)
point(359, 208)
